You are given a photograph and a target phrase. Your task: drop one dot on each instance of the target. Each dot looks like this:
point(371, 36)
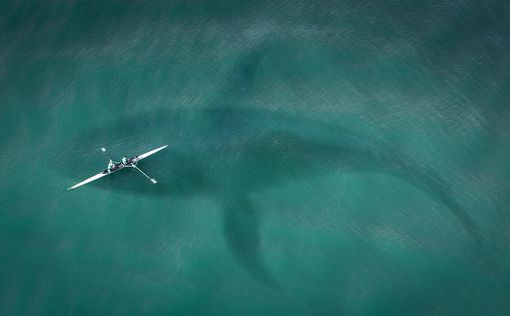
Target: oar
point(152, 180)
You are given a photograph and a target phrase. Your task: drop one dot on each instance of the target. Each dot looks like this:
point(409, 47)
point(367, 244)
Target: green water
point(325, 158)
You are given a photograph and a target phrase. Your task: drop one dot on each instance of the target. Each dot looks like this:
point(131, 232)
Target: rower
point(110, 166)
point(125, 160)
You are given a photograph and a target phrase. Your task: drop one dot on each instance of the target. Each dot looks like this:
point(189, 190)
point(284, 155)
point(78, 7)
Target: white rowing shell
point(97, 176)
point(152, 152)
point(104, 174)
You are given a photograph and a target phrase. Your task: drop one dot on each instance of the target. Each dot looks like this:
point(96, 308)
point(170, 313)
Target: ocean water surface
point(324, 158)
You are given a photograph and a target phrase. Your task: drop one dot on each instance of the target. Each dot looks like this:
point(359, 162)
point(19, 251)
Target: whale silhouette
point(228, 150)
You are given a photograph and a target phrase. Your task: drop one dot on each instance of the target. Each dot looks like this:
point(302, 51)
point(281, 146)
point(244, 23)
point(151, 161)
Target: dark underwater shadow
point(286, 156)
point(241, 219)
point(226, 151)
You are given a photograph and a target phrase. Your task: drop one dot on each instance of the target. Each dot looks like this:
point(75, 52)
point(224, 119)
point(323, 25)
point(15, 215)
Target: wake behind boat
point(114, 166)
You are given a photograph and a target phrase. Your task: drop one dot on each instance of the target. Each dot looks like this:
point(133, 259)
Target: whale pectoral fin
point(241, 229)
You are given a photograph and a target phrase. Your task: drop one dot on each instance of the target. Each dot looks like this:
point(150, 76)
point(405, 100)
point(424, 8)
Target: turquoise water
point(325, 158)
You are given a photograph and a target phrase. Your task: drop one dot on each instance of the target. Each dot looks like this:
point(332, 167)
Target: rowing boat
point(131, 163)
